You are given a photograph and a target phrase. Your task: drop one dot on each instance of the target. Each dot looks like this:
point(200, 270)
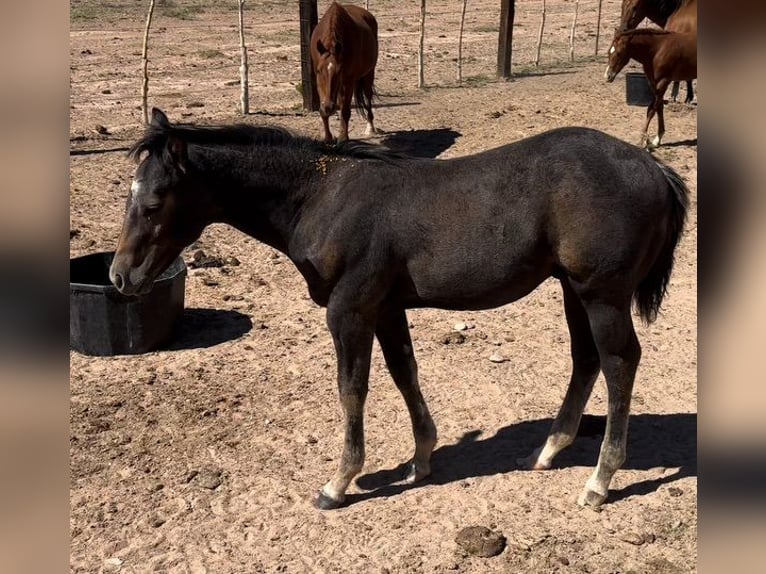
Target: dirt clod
point(208, 478)
point(480, 541)
point(452, 338)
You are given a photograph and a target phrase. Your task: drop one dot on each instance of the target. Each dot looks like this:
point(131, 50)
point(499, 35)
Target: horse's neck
point(643, 47)
point(261, 192)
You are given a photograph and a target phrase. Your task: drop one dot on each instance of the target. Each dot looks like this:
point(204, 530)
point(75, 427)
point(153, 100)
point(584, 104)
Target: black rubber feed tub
point(102, 321)
point(638, 91)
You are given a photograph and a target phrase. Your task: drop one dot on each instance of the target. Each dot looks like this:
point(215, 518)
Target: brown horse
point(344, 51)
point(665, 57)
point(673, 15)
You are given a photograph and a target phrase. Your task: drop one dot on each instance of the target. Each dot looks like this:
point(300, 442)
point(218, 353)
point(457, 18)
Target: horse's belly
point(474, 285)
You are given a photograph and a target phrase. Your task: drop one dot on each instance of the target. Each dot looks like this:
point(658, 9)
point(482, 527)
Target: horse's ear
point(159, 119)
point(320, 48)
point(177, 150)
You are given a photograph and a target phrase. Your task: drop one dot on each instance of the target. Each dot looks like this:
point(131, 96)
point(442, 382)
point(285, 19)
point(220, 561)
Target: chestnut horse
point(344, 51)
point(672, 15)
point(375, 234)
point(665, 56)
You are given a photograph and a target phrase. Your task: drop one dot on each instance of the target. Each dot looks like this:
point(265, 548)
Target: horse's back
point(684, 19)
point(572, 201)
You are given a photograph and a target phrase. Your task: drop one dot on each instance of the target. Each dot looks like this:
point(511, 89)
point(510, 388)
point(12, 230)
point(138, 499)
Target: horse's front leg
point(395, 342)
point(662, 86)
point(326, 123)
point(345, 96)
point(352, 334)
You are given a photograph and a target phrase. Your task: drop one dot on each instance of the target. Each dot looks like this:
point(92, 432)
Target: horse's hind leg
point(352, 334)
point(689, 92)
point(674, 92)
point(367, 83)
point(585, 369)
point(620, 352)
point(394, 338)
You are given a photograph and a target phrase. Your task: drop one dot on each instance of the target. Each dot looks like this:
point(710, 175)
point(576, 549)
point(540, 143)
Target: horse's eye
point(150, 210)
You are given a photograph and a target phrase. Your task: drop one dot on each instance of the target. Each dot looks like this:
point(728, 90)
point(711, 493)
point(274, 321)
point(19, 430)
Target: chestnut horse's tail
point(652, 288)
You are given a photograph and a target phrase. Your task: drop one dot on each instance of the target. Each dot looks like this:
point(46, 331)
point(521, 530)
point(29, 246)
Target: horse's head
point(328, 67)
point(633, 11)
point(618, 55)
point(164, 211)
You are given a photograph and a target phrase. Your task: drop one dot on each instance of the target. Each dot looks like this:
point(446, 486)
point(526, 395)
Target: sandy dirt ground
point(205, 457)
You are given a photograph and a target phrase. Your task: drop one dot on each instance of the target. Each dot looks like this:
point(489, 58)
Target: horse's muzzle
point(609, 75)
point(127, 280)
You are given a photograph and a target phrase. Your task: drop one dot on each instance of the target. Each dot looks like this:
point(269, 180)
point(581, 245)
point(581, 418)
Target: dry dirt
point(205, 457)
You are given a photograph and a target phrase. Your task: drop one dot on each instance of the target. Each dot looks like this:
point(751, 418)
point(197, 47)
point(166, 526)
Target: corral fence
point(195, 50)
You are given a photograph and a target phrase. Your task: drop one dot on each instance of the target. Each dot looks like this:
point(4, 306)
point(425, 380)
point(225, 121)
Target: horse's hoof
point(416, 473)
point(591, 499)
point(532, 462)
point(324, 502)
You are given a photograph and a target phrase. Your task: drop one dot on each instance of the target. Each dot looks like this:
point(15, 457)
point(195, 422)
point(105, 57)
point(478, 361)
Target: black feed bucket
point(102, 321)
point(638, 91)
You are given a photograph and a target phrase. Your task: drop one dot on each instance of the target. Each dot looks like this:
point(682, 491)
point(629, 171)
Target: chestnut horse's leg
point(585, 369)
point(660, 90)
point(689, 92)
point(352, 333)
point(368, 82)
point(345, 96)
point(326, 123)
point(674, 92)
point(650, 111)
point(394, 338)
point(620, 352)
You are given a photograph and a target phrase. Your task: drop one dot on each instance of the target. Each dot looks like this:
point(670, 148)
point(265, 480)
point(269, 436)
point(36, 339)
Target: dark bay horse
point(375, 234)
point(665, 57)
point(673, 15)
point(344, 51)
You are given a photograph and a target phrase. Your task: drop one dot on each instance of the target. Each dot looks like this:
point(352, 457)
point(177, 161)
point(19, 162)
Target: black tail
point(651, 290)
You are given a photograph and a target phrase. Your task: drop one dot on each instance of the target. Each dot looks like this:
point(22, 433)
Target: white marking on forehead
point(330, 66)
point(611, 50)
point(135, 189)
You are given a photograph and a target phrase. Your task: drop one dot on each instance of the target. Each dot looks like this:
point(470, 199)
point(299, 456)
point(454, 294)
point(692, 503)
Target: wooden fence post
point(540, 36)
point(598, 27)
point(505, 38)
point(421, 65)
point(145, 64)
point(244, 101)
point(308, 21)
point(460, 44)
point(572, 32)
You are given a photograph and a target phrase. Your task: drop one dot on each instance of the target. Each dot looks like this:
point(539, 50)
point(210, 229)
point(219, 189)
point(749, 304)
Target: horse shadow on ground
point(540, 73)
point(421, 143)
point(681, 143)
point(668, 440)
point(201, 328)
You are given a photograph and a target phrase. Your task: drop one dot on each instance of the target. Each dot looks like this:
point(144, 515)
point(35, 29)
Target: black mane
point(155, 140)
